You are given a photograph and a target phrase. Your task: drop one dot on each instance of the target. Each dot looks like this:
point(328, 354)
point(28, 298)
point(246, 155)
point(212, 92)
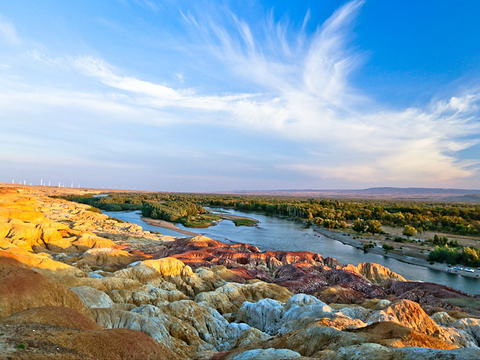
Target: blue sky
point(230, 95)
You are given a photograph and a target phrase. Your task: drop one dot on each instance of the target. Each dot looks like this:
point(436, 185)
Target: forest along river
point(273, 233)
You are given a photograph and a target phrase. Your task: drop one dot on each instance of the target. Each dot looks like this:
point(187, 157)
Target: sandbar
point(168, 225)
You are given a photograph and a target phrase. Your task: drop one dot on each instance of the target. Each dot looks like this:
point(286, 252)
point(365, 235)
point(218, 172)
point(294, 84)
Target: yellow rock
point(88, 241)
point(25, 215)
point(40, 262)
point(25, 231)
point(375, 273)
point(106, 257)
point(16, 246)
point(410, 314)
point(169, 267)
point(168, 274)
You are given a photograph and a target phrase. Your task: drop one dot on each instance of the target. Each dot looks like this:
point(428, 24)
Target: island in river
point(237, 220)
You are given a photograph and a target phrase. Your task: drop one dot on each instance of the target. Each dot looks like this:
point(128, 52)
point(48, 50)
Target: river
point(273, 233)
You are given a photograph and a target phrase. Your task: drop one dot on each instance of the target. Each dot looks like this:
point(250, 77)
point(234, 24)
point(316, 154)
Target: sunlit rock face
point(81, 282)
point(107, 258)
point(375, 273)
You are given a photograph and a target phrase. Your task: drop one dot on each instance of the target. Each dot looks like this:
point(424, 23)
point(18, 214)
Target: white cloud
point(308, 99)
point(154, 95)
point(180, 77)
point(98, 69)
point(146, 4)
point(8, 31)
point(304, 96)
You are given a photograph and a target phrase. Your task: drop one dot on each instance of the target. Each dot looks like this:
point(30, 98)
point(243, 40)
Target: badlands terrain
point(75, 284)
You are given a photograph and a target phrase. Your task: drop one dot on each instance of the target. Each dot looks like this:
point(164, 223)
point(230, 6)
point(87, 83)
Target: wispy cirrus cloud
point(300, 92)
point(8, 31)
point(312, 102)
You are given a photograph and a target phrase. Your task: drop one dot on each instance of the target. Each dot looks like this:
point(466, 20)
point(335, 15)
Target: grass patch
point(199, 221)
point(21, 346)
point(244, 222)
point(465, 302)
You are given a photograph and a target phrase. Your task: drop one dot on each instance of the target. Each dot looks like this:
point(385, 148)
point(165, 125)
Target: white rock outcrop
point(272, 317)
point(267, 354)
point(93, 298)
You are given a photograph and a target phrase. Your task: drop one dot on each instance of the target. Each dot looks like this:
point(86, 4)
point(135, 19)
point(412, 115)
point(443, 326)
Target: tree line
point(458, 218)
point(171, 210)
point(152, 206)
point(469, 256)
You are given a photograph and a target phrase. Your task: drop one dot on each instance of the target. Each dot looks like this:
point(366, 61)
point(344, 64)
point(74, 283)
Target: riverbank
point(278, 234)
point(414, 257)
point(348, 239)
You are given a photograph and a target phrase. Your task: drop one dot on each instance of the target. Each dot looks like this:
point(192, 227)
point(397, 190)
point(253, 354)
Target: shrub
point(409, 231)
point(387, 248)
point(470, 256)
point(95, 210)
point(374, 227)
point(368, 246)
point(444, 253)
point(437, 240)
point(359, 226)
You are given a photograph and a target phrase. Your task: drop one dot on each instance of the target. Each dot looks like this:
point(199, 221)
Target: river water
point(273, 233)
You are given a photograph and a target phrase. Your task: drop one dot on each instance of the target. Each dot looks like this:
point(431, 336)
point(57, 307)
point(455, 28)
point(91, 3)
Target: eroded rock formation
point(75, 284)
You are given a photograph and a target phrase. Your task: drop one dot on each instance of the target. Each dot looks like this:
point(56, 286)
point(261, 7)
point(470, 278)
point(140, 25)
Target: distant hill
point(425, 194)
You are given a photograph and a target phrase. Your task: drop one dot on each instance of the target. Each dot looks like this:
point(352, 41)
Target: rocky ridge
point(78, 285)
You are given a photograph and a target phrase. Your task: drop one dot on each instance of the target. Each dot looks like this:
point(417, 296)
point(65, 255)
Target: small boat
point(469, 270)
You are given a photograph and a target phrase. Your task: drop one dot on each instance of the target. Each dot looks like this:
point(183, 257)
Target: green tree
point(329, 224)
point(471, 256)
point(409, 231)
point(453, 243)
point(437, 240)
point(359, 226)
point(374, 227)
point(444, 253)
